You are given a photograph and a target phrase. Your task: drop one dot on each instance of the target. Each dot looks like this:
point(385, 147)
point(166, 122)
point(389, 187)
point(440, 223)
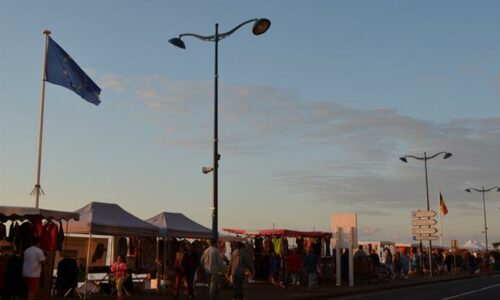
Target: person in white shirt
point(211, 260)
point(32, 267)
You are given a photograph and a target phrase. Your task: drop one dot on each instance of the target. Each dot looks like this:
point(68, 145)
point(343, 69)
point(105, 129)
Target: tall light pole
point(260, 26)
point(425, 158)
point(469, 190)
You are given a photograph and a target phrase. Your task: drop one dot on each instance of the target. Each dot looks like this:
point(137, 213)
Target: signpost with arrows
point(422, 223)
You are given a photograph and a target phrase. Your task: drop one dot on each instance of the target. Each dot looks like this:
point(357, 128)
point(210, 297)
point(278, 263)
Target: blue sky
point(314, 114)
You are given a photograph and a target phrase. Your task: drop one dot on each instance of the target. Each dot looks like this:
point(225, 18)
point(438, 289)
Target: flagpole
point(38, 188)
point(440, 220)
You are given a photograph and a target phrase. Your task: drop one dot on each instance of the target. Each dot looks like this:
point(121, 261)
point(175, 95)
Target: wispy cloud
point(367, 143)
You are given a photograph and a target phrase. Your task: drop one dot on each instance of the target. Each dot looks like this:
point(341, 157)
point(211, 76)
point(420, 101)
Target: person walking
point(32, 267)
point(405, 265)
point(212, 262)
point(119, 270)
point(388, 261)
point(240, 262)
point(179, 269)
point(344, 267)
point(190, 264)
point(294, 268)
point(311, 264)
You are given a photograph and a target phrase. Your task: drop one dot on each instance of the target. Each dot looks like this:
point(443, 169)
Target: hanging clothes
point(122, 247)
point(12, 230)
point(278, 245)
point(36, 227)
point(60, 237)
point(259, 245)
point(48, 239)
point(3, 231)
point(23, 236)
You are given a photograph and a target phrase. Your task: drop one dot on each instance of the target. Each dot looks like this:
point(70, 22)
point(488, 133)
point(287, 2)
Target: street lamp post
point(483, 191)
point(260, 26)
point(425, 158)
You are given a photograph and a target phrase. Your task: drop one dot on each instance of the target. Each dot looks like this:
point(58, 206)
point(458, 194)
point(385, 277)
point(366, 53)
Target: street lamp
point(425, 158)
point(469, 190)
point(260, 26)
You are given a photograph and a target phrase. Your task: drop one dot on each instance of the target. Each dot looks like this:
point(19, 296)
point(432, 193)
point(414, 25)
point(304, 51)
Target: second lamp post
point(469, 190)
point(260, 26)
point(425, 158)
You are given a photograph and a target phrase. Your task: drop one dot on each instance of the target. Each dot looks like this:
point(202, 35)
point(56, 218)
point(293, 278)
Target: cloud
point(365, 145)
point(367, 231)
point(112, 82)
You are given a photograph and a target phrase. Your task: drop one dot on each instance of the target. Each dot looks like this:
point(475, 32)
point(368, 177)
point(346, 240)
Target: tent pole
point(87, 268)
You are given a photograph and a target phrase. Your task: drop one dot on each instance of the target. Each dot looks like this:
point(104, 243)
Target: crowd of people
point(415, 262)
point(292, 267)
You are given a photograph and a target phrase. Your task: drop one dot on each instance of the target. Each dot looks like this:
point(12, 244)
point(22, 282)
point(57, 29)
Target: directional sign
point(423, 230)
point(423, 213)
point(425, 238)
point(423, 222)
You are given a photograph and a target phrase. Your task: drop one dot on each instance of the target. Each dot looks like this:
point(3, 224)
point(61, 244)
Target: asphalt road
point(484, 288)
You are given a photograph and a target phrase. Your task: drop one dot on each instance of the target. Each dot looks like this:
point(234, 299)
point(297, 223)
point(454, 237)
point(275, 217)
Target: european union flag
point(62, 70)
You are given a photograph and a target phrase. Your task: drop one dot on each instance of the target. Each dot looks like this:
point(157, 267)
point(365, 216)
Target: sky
point(313, 115)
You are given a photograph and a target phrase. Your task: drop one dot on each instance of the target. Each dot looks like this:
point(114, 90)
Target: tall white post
point(351, 260)
point(337, 256)
point(38, 188)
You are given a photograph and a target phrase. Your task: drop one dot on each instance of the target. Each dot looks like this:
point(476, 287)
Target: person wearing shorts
point(32, 268)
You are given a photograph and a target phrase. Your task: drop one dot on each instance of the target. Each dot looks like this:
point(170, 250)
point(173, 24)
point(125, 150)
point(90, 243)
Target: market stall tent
point(20, 212)
point(177, 225)
point(110, 219)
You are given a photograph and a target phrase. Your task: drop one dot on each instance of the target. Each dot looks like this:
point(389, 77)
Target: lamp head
point(177, 42)
point(447, 155)
point(207, 170)
point(467, 190)
point(261, 26)
point(403, 159)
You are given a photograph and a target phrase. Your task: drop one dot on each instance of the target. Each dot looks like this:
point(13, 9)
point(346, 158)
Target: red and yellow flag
point(442, 205)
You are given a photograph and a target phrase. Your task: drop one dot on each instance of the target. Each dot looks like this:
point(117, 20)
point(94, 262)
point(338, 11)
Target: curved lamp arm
point(468, 190)
point(411, 156)
point(213, 38)
point(446, 155)
point(217, 37)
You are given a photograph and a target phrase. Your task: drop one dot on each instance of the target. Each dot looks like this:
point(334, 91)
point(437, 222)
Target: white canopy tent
point(473, 246)
point(177, 225)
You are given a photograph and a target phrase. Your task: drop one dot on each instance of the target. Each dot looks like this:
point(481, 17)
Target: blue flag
point(62, 70)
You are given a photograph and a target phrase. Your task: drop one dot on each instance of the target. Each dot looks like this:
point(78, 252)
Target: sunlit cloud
point(364, 169)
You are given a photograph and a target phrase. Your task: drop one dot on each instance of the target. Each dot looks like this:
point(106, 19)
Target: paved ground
point(326, 290)
point(481, 287)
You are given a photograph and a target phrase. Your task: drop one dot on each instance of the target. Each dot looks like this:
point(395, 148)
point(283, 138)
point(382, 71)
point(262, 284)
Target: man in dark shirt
point(67, 275)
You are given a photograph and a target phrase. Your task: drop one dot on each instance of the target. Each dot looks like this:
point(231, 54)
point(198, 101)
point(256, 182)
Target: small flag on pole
point(62, 70)
point(442, 205)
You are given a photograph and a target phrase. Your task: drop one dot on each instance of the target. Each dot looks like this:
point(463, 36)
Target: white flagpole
point(38, 188)
point(440, 221)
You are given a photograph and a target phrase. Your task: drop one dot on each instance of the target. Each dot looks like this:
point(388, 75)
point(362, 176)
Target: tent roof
point(110, 219)
point(173, 224)
point(473, 246)
point(19, 212)
point(282, 232)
